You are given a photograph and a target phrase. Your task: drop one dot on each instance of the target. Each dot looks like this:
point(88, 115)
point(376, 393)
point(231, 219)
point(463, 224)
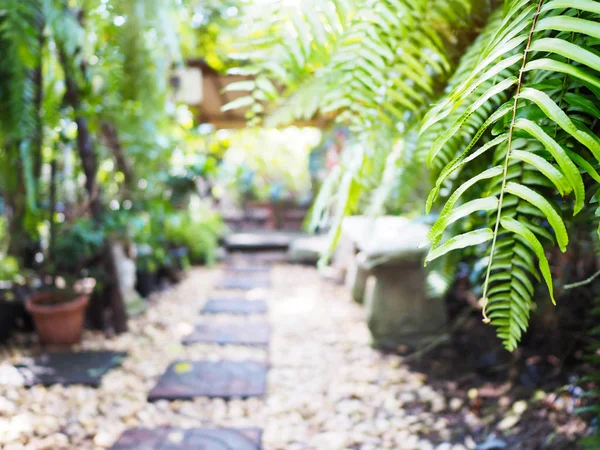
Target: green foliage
point(512, 143)
point(373, 65)
point(9, 268)
point(198, 231)
point(118, 55)
point(20, 51)
point(266, 164)
point(207, 31)
point(286, 45)
point(129, 88)
point(146, 231)
point(522, 108)
point(77, 243)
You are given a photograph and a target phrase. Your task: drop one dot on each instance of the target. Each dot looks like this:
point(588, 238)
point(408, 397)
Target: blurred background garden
point(279, 224)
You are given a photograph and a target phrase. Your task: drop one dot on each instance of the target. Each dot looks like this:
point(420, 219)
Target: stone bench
point(387, 274)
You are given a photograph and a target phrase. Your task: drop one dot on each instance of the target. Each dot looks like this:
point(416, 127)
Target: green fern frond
point(542, 59)
point(402, 184)
point(21, 23)
point(374, 65)
point(287, 46)
point(19, 51)
point(341, 193)
point(434, 123)
point(381, 61)
point(303, 104)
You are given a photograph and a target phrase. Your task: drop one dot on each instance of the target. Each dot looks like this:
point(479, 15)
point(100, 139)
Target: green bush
point(198, 231)
point(77, 244)
point(9, 268)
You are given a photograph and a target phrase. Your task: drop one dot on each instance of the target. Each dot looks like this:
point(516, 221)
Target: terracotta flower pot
point(58, 319)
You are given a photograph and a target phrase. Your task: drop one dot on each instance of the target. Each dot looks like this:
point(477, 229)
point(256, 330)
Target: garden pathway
point(326, 388)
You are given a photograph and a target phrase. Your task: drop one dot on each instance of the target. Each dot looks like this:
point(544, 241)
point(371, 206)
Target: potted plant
point(146, 233)
point(58, 315)
point(58, 307)
point(146, 271)
point(193, 236)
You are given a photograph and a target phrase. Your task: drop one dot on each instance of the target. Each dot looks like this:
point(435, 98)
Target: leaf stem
point(486, 319)
point(566, 287)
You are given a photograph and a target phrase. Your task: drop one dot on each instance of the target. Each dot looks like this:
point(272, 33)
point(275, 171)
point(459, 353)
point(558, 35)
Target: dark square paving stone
point(260, 240)
point(244, 283)
point(247, 269)
point(69, 368)
point(185, 380)
point(230, 333)
point(262, 258)
point(234, 306)
point(189, 439)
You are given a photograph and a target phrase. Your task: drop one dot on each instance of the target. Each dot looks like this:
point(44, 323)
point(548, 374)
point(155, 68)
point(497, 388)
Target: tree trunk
point(38, 82)
point(95, 312)
point(52, 240)
point(85, 147)
point(85, 144)
point(116, 304)
point(110, 134)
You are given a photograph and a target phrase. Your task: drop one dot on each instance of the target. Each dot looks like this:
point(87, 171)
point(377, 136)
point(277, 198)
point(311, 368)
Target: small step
point(185, 380)
point(230, 334)
point(249, 268)
point(234, 306)
point(189, 438)
point(243, 283)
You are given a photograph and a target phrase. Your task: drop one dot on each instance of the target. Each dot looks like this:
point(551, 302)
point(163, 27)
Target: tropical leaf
point(539, 60)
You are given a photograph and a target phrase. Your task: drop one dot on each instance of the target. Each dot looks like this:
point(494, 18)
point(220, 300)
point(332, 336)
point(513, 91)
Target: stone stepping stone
point(234, 306)
point(244, 284)
point(260, 240)
point(189, 439)
point(68, 368)
point(229, 333)
point(185, 380)
point(254, 269)
point(260, 258)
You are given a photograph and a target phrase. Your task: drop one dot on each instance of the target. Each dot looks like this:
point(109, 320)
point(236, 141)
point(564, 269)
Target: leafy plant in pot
point(58, 315)
point(145, 229)
point(197, 230)
point(59, 311)
point(147, 271)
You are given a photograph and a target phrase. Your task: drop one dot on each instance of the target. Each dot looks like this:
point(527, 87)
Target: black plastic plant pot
point(178, 255)
point(146, 282)
point(8, 316)
point(13, 314)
